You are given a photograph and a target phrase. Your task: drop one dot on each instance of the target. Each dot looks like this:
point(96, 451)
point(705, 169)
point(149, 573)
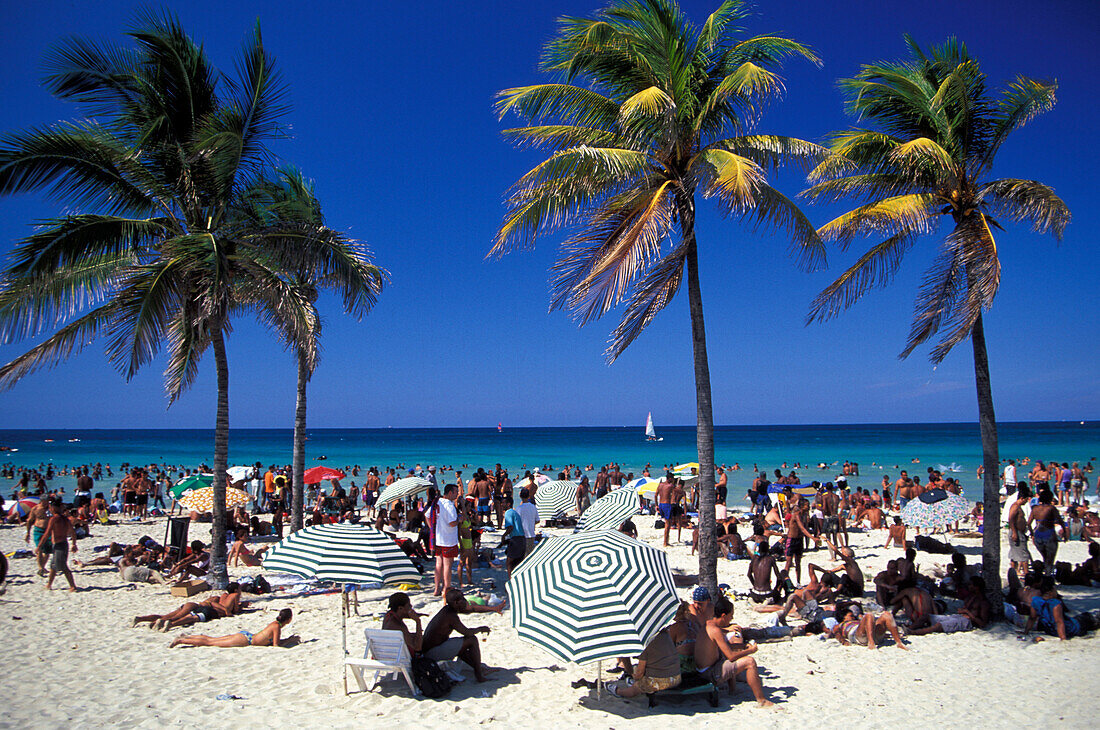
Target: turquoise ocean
point(878, 448)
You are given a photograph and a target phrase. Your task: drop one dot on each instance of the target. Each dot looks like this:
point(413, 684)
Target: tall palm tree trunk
point(991, 503)
point(219, 574)
point(299, 466)
point(704, 416)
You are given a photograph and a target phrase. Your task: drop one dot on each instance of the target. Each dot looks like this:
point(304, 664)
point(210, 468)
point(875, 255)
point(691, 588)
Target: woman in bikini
point(267, 636)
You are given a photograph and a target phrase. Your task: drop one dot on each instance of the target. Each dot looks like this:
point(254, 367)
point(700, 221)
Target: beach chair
point(386, 653)
point(692, 685)
point(175, 539)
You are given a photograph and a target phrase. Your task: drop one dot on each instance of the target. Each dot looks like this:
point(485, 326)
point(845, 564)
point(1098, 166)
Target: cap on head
point(700, 594)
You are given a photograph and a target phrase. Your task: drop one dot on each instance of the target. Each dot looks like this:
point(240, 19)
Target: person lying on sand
point(132, 572)
point(438, 644)
point(810, 599)
point(267, 636)
point(721, 660)
point(1050, 613)
point(865, 629)
point(215, 607)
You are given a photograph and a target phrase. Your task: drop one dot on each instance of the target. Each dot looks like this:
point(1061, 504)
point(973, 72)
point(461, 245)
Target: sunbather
point(267, 636)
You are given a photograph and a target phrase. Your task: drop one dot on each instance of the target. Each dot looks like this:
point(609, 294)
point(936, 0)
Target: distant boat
point(650, 433)
point(73, 441)
point(499, 427)
point(48, 441)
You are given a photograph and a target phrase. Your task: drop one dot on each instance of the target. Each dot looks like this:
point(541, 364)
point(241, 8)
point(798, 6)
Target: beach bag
point(432, 681)
point(658, 524)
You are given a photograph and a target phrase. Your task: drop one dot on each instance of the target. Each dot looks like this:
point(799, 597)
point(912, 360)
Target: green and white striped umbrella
point(190, 483)
point(592, 595)
point(403, 488)
point(610, 510)
point(343, 553)
point(554, 498)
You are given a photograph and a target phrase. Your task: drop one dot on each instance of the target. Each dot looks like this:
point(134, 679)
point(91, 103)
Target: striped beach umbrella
point(645, 487)
point(939, 509)
point(202, 500)
point(344, 553)
point(592, 595)
point(190, 483)
point(554, 498)
point(403, 488)
point(610, 510)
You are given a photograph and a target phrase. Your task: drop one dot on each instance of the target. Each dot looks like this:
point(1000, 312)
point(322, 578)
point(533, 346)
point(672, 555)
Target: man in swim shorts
point(438, 644)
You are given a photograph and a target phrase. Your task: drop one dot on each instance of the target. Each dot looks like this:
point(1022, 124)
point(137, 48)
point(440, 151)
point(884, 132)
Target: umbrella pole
point(344, 638)
point(599, 680)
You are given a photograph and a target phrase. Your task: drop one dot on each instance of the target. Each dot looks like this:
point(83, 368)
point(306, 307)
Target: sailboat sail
point(649, 432)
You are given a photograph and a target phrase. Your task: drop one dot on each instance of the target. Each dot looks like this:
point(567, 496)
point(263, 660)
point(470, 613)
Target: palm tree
point(651, 110)
point(289, 200)
point(927, 152)
point(162, 161)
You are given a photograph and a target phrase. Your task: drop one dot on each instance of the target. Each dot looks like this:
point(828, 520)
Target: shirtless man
point(1018, 554)
point(851, 583)
point(896, 534)
point(59, 530)
point(1045, 516)
point(267, 636)
point(863, 629)
point(37, 521)
point(974, 613)
point(795, 543)
point(213, 608)
point(483, 491)
point(721, 661)
point(830, 517)
point(886, 584)
point(583, 500)
point(664, 503)
point(903, 489)
point(142, 489)
point(370, 492)
point(439, 645)
point(761, 568)
point(394, 620)
point(810, 598)
point(601, 487)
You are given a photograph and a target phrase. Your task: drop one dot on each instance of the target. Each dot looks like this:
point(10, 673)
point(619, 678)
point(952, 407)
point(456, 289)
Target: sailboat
point(650, 434)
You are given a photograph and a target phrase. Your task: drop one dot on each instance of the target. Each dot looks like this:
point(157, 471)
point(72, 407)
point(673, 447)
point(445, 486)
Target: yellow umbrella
point(686, 468)
point(202, 500)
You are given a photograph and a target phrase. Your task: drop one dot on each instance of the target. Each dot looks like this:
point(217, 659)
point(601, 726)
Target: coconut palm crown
point(154, 253)
point(926, 156)
point(648, 112)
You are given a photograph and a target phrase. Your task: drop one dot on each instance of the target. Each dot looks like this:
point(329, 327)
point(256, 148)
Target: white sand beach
point(73, 658)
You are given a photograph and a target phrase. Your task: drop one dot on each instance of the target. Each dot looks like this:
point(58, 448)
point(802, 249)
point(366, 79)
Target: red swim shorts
point(447, 551)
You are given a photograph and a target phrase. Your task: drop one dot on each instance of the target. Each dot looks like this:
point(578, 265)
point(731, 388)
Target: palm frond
point(188, 339)
point(775, 211)
point(561, 135)
point(565, 103)
point(940, 291)
point(772, 152)
point(652, 295)
point(1027, 200)
point(71, 338)
point(731, 178)
point(145, 307)
point(874, 269)
point(1024, 100)
point(600, 264)
point(914, 214)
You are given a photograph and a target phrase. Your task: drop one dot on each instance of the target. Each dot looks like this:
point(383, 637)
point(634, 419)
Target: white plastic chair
point(387, 654)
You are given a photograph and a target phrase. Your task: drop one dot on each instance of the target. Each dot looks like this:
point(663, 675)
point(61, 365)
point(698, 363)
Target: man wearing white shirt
point(446, 538)
point(1010, 477)
point(530, 516)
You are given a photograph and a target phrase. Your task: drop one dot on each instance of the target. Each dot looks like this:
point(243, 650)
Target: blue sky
point(392, 118)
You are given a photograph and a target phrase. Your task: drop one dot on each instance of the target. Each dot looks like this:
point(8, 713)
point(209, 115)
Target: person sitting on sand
point(1050, 613)
point(657, 668)
point(438, 644)
point(974, 613)
point(394, 620)
point(1087, 573)
point(810, 599)
point(215, 607)
point(886, 584)
point(238, 553)
point(267, 636)
point(722, 661)
point(195, 564)
point(852, 581)
point(917, 604)
point(896, 534)
point(761, 568)
point(865, 629)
